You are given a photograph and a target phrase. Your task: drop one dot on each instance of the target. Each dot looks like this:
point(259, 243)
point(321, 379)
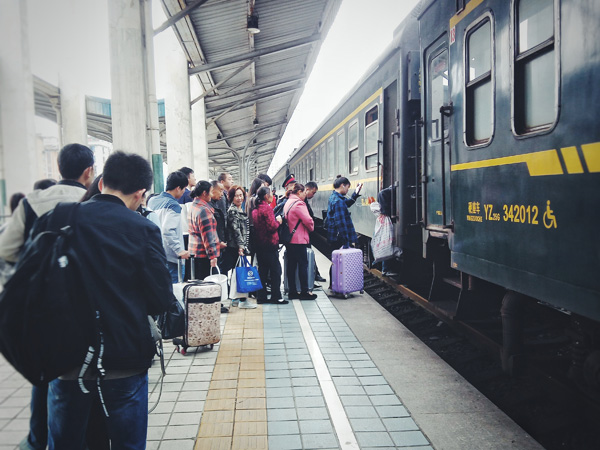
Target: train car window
point(330, 158)
point(341, 150)
point(438, 94)
point(535, 90)
point(353, 148)
point(371, 137)
point(479, 90)
point(322, 162)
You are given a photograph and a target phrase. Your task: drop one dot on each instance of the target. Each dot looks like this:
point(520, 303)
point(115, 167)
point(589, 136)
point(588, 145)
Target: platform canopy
point(252, 81)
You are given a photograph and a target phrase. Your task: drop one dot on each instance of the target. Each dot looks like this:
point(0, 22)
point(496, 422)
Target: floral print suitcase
point(347, 271)
point(203, 315)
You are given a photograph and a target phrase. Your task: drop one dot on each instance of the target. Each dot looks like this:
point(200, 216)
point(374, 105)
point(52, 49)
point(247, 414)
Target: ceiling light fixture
point(253, 23)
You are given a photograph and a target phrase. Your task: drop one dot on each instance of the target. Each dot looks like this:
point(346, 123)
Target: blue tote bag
point(247, 277)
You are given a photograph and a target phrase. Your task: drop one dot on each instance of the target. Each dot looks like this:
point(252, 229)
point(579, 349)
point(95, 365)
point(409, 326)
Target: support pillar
point(199, 140)
point(18, 165)
point(134, 105)
point(73, 113)
point(177, 110)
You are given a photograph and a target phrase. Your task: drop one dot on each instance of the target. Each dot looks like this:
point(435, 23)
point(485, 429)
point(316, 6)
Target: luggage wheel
point(345, 295)
point(183, 351)
point(362, 292)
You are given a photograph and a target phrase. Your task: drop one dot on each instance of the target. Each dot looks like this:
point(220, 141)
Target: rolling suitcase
point(312, 266)
point(202, 303)
point(347, 271)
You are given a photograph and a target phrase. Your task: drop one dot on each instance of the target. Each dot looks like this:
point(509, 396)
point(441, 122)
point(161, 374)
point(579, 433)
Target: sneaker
point(320, 278)
point(307, 296)
point(280, 302)
point(247, 305)
point(235, 301)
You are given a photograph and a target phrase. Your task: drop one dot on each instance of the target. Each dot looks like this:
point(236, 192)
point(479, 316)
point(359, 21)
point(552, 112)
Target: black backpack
point(285, 235)
point(47, 323)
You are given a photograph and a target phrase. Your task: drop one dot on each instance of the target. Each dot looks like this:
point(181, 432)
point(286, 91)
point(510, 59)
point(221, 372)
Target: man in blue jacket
point(124, 263)
point(168, 210)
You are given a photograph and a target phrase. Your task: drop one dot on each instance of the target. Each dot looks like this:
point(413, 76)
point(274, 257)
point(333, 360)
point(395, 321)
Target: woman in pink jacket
point(296, 213)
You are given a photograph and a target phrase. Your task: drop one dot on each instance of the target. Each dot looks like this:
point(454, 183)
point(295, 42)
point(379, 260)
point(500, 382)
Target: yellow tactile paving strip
point(235, 412)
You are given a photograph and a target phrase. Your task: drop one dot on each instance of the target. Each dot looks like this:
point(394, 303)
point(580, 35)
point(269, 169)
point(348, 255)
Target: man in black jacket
point(124, 265)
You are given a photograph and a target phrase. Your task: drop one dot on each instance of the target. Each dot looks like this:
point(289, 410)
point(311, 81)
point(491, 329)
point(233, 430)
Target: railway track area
point(542, 402)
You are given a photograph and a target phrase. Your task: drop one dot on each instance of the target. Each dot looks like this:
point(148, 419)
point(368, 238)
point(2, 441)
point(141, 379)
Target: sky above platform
point(73, 34)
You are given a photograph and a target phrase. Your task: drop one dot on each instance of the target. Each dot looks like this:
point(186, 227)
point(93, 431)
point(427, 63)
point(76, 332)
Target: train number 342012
point(521, 214)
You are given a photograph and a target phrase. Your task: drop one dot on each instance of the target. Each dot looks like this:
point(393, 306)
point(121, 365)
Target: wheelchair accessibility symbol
point(549, 217)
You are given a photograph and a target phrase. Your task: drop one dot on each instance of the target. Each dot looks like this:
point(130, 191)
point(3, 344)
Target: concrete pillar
point(132, 80)
point(153, 130)
point(199, 140)
point(177, 110)
point(18, 165)
point(73, 113)
point(72, 119)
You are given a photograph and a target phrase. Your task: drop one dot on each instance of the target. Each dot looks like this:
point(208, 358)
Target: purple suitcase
point(347, 271)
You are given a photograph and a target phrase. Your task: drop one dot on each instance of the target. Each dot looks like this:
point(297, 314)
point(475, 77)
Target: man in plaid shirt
point(340, 229)
point(204, 240)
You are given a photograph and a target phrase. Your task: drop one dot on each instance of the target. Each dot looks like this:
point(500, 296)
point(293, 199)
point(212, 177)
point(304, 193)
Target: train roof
point(398, 37)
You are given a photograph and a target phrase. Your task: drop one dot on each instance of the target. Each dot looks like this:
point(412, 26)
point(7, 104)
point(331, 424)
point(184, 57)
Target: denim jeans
point(126, 401)
point(173, 267)
point(38, 423)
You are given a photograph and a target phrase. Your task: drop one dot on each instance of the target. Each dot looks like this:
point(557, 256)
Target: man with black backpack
point(124, 278)
point(76, 166)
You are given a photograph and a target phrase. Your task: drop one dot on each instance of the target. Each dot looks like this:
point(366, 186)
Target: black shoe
point(320, 278)
point(279, 302)
point(262, 301)
point(307, 296)
point(224, 309)
point(293, 295)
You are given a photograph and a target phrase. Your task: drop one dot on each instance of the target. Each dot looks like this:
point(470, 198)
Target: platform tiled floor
point(283, 377)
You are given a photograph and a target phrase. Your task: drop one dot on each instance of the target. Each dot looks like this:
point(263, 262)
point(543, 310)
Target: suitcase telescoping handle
point(192, 268)
point(180, 264)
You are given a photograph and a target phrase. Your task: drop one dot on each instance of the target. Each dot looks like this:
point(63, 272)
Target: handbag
point(247, 277)
point(172, 322)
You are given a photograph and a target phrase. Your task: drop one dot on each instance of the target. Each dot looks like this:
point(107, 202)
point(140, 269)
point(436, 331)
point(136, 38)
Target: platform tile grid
point(283, 377)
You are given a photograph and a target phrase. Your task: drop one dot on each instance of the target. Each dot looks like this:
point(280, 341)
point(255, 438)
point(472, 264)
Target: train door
point(437, 136)
point(390, 125)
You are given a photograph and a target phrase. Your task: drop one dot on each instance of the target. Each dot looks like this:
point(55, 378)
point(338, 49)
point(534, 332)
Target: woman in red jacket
point(298, 217)
point(267, 246)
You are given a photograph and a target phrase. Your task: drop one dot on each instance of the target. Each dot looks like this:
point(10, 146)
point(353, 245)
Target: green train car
point(483, 117)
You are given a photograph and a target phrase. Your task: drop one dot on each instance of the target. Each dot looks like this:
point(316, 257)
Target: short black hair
point(175, 180)
point(222, 176)
point(311, 185)
point(14, 200)
point(201, 187)
point(73, 159)
point(44, 184)
point(339, 181)
point(216, 184)
point(186, 170)
point(265, 177)
point(127, 173)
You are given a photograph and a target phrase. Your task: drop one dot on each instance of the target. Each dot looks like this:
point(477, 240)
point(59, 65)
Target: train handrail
point(394, 183)
point(418, 123)
point(444, 111)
